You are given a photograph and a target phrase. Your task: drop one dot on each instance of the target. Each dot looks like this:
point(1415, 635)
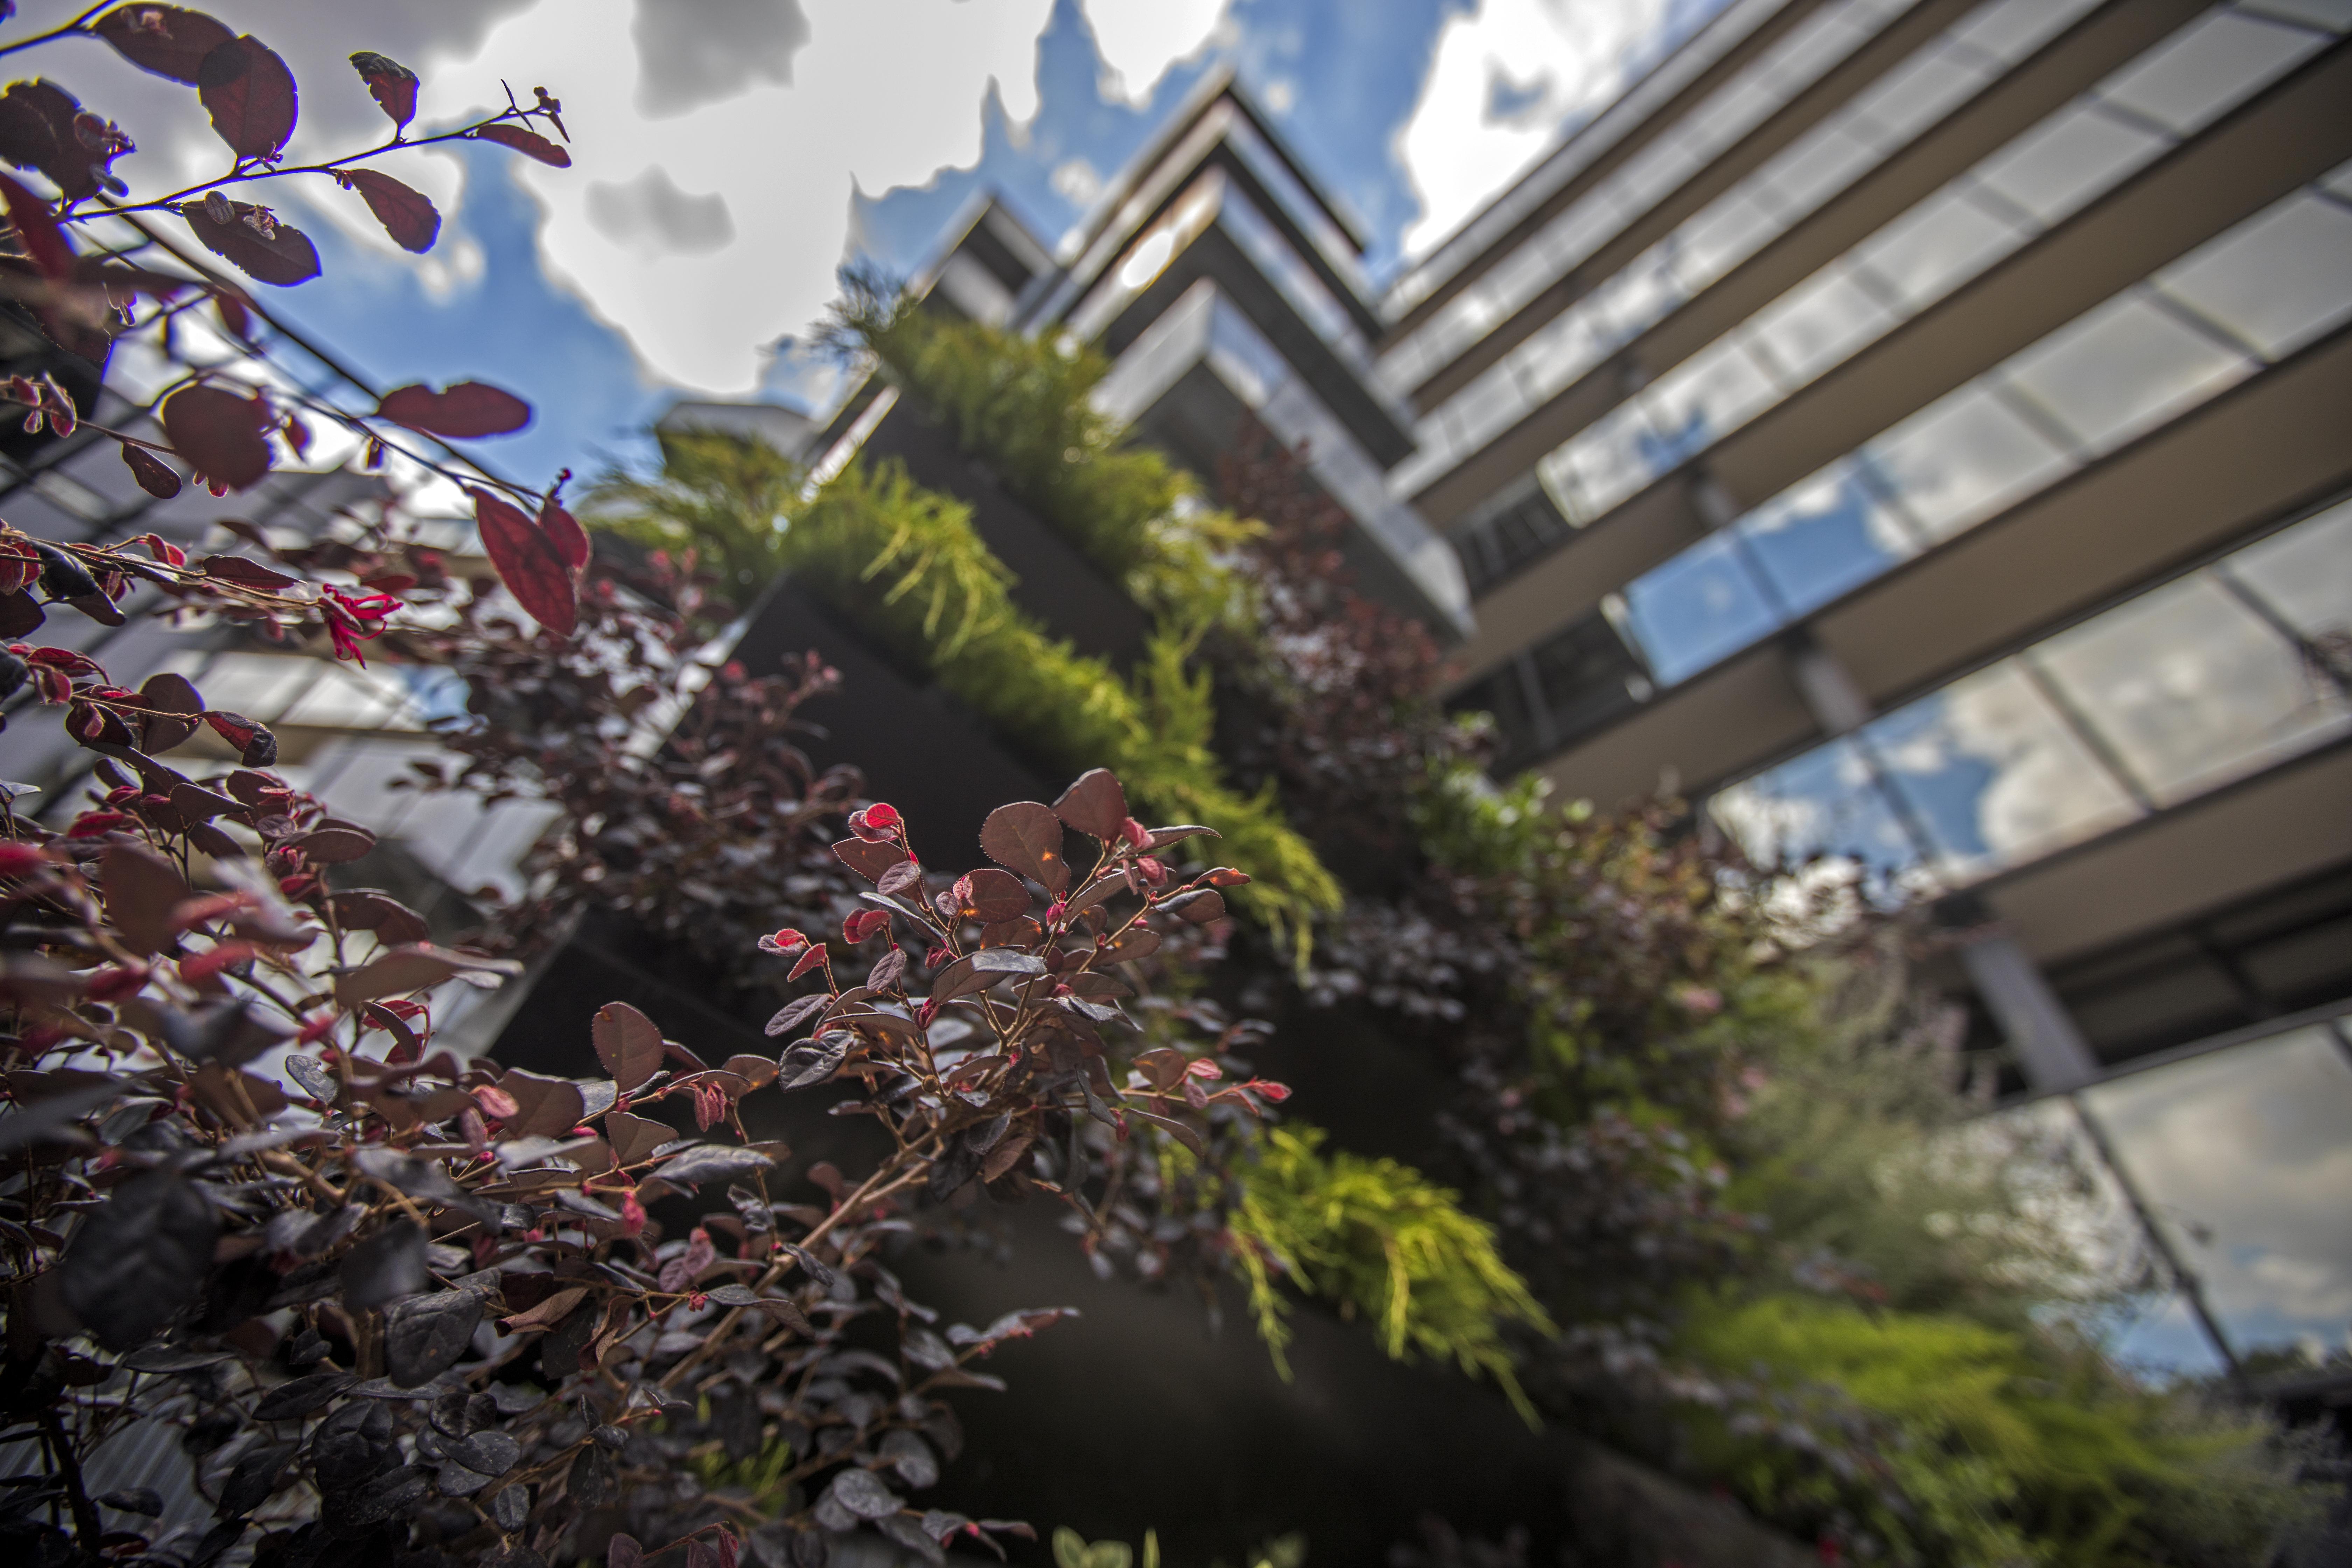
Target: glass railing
point(1808, 53)
point(2223, 313)
point(2196, 1193)
point(2021, 191)
point(1679, 65)
point(2206, 680)
point(1872, 127)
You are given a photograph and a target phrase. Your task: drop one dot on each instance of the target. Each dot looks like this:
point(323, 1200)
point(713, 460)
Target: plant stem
point(84, 1514)
point(79, 25)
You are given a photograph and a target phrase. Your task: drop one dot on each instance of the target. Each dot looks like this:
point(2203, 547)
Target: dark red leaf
point(284, 256)
point(991, 897)
point(467, 409)
point(868, 858)
point(154, 475)
point(628, 1043)
point(44, 242)
point(169, 40)
point(527, 562)
point(1094, 805)
point(390, 83)
point(172, 706)
point(526, 142)
point(366, 909)
point(1027, 838)
point(218, 434)
point(570, 539)
point(414, 222)
point(237, 569)
point(249, 93)
point(36, 132)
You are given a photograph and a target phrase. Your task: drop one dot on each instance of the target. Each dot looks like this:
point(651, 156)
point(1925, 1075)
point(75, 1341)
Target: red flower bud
point(633, 1214)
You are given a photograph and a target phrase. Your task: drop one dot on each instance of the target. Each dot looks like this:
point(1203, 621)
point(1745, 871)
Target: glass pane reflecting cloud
point(1816, 540)
point(2243, 1159)
point(2281, 283)
point(1961, 460)
point(1700, 606)
point(1827, 803)
point(2193, 688)
point(2066, 160)
point(2305, 573)
point(1994, 774)
point(2123, 368)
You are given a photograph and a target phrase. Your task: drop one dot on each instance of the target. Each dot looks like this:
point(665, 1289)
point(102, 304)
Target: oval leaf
point(544, 1107)
point(155, 475)
point(218, 434)
point(1027, 837)
point(284, 256)
point(366, 909)
point(249, 93)
point(390, 83)
point(467, 409)
point(527, 562)
point(169, 40)
point(628, 1043)
point(1095, 804)
point(528, 143)
point(991, 897)
point(408, 215)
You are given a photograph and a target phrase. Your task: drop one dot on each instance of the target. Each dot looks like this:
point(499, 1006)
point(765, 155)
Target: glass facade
point(1857, 137)
point(2017, 192)
point(2218, 316)
point(2171, 694)
point(1809, 51)
point(2036, 180)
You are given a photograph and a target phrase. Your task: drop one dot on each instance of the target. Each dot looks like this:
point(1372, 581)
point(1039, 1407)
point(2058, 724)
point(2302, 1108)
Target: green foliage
point(1378, 1240)
point(2007, 1447)
point(908, 566)
point(724, 495)
point(1024, 405)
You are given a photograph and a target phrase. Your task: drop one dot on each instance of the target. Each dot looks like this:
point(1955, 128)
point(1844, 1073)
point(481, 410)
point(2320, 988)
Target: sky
point(729, 156)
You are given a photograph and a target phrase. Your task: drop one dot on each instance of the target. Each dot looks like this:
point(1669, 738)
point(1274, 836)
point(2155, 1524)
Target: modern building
point(1915, 431)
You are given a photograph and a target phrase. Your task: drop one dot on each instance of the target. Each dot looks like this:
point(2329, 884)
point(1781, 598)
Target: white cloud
point(1503, 82)
point(652, 217)
point(1140, 40)
point(884, 93)
point(1078, 180)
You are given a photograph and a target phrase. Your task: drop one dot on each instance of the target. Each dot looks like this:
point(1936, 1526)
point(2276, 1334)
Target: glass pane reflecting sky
point(2047, 173)
point(2174, 692)
point(2243, 1160)
point(2120, 370)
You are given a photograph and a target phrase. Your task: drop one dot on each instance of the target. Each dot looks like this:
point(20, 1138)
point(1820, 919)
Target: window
point(2063, 162)
point(1818, 323)
point(1586, 675)
point(1815, 540)
point(1827, 803)
point(1943, 239)
point(2126, 366)
point(1708, 395)
point(1993, 773)
point(2241, 1157)
point(2278, 281)
point(2190, 687)
point(1960, 458)
point(2304, 575)
point(2209, 66)
point(1694, 609)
